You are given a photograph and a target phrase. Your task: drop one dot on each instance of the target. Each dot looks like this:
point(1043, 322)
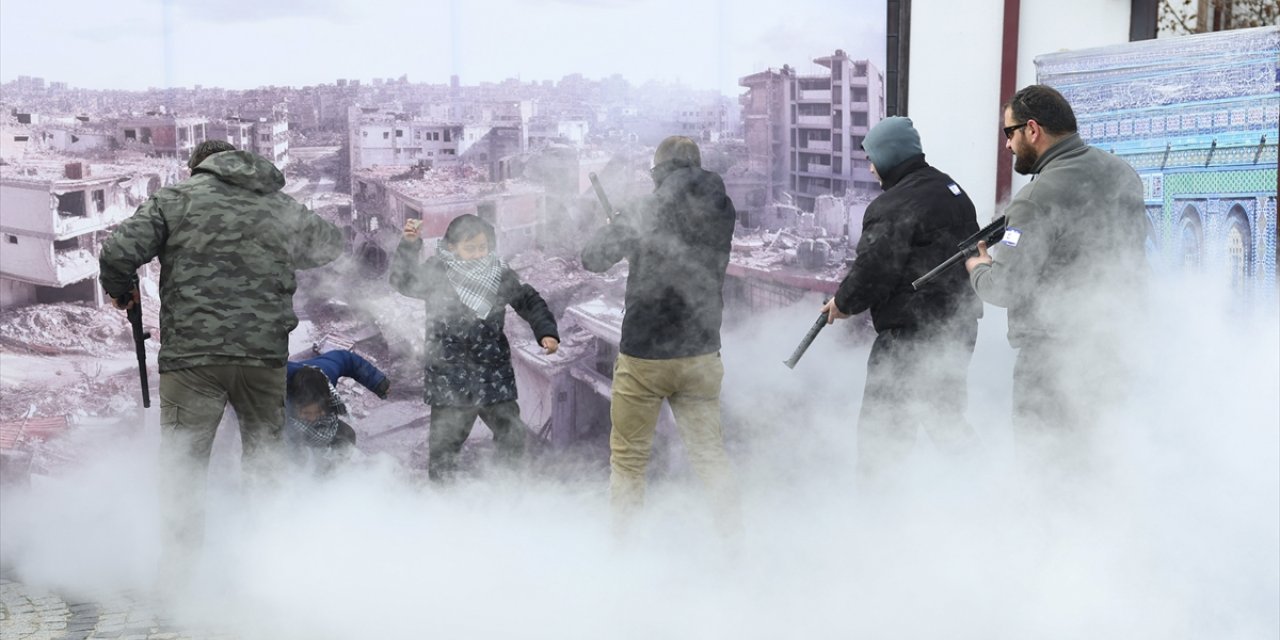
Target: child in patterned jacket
point(468, 372)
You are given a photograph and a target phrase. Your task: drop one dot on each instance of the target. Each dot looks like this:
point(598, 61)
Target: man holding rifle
point(916, 372)
point(229, 243)
point(677, 249)
point(1069, 270)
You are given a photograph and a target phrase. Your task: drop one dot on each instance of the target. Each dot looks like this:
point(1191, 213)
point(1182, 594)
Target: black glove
point(382, 388)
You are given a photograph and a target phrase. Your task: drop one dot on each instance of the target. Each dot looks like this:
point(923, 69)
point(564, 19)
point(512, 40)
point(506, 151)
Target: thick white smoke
point(1175, 533)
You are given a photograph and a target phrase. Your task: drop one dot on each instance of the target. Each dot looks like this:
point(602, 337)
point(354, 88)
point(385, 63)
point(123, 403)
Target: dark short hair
point(1046, 106)
point(307, 387)
point(206, 149)
point(466, 226)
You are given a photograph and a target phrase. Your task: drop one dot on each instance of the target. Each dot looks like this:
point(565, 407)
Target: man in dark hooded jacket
point(916, 372)
point(229, 243)
point(677, 249)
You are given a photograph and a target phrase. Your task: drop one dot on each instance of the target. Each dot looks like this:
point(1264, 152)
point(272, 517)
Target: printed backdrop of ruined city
point(369, 155)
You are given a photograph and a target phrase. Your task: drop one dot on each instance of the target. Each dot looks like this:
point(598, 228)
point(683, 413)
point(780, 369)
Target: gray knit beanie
point(890, 142)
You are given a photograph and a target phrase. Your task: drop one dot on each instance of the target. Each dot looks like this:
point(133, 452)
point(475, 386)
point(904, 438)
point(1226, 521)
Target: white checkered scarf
point(321, 432)
point(476, 281)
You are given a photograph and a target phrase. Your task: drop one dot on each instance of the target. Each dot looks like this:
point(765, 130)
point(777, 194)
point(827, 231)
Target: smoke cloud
point(1174, 532)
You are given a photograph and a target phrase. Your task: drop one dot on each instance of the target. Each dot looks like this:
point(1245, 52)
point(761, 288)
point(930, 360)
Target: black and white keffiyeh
point(476, 281)
point(319, 433)
point(314, 434)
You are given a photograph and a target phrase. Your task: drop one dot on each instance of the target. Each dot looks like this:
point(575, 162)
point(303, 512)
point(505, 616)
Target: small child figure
point(314, 429)
point(468, 360)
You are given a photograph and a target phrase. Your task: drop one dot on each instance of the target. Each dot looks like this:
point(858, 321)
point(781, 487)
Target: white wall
point(28, 209)
point(954, 74)
point(30, 258)
point(16, 294)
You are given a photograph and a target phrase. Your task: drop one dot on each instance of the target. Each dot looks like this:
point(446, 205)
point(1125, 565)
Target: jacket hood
point(660, 171)
point(243, 169)
point(890, 142)
point(905, 168)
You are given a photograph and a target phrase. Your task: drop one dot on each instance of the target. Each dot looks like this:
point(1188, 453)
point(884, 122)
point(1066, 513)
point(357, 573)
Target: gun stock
point(990, 234)
point(604, 199)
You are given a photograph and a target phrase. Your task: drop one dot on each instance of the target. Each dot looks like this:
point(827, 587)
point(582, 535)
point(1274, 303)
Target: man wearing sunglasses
point(1069, 270)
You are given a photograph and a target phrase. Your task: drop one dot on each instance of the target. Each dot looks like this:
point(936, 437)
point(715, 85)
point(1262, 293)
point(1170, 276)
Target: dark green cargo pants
point(192, 402)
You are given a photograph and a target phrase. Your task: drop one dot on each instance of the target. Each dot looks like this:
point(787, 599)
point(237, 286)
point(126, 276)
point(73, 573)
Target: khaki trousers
point(692, 387)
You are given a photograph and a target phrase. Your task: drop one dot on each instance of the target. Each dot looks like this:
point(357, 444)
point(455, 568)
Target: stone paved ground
point(28, 613)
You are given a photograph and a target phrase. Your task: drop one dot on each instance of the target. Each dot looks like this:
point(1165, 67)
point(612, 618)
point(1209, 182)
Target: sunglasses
point(1008, 131)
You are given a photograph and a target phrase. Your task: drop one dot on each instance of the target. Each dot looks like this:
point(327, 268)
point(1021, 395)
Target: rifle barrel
point(990, 234)
point(140, 349)
point(604, 199)
point(936, 271)
point(806, 341)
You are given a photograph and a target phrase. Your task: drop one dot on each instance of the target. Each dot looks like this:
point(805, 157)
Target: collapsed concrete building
point(163, 136)
point(804, 131)
point(57, 213)
point(442, 135)
point(385, 197)
point(267, 137)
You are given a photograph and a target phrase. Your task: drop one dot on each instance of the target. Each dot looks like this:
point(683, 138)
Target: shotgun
point(990, 234)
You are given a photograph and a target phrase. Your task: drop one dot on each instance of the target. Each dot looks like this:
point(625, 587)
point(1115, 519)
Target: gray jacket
point(1072, 261)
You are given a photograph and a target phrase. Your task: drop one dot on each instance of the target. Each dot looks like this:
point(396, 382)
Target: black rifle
point(990, 234)
point(140, 336)
point(604, 199)
point(806, 341)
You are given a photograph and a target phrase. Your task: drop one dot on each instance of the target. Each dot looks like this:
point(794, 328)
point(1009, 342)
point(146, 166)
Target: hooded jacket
point(341, 363)
point(915, 224)
point(229, 243)
point(468, 359)
point(677, 248)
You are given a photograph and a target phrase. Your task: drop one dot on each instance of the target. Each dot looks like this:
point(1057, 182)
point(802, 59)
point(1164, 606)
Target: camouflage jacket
point(228, 242)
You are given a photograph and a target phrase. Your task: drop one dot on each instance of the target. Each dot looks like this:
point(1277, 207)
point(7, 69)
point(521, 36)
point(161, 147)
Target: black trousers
point(915, 378)
point(450, 427)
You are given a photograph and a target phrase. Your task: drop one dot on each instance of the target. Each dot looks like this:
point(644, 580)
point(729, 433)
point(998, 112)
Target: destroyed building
point(57, 213)
point(804, 131)
point(443, 134)
point(163, 136)
point(385, 197)
point(265, 137)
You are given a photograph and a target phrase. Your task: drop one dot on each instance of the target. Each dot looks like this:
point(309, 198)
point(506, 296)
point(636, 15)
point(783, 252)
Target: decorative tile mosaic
point(1199, 118)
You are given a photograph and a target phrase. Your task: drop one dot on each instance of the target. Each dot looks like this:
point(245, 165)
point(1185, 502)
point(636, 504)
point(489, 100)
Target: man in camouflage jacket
point(228, 242)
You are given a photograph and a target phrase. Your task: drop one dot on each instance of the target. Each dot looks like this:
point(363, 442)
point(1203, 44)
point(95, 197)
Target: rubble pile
point(66, 327)
point(87, 392)
point(560, 280)
point(783, 249)
point(330, 207)
point(312, 166)
point(34, 446)
point(460, 181)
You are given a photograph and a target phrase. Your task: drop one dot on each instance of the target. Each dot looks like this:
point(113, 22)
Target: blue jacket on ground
point(344, 364)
